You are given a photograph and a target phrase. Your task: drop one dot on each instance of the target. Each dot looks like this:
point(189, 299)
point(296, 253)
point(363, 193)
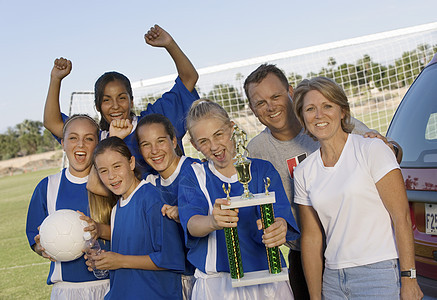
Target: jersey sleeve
point(191, 202)
point(281, 207)
point(168, 249)
point(381, 159)
point(174, 104)
point(37, 211)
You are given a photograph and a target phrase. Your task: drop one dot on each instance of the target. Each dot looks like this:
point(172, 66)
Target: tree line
point(26, 138)
point(360, 77)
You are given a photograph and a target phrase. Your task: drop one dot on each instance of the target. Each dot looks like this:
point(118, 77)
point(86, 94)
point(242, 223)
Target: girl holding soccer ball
point(67, 190)
point(146, 258)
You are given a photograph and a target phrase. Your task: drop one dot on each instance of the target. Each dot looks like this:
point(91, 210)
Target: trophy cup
point(265, 200)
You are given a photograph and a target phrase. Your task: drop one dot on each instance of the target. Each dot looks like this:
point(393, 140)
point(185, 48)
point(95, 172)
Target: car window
point(431, 127)
point(414, 125)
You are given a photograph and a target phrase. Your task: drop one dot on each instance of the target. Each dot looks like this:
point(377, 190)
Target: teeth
point(321, 124)
point(80, 153)
point(218, 153)
point(157, 158)
point(116, 115)
point(275, 115)
point(115, 183)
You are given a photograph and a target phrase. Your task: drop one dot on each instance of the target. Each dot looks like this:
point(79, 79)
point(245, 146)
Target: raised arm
point(158, 37)
point(312, 250)
point(391, 189)
point(52, 111)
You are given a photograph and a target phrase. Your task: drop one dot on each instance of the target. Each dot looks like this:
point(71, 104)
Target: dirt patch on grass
point(31, 163)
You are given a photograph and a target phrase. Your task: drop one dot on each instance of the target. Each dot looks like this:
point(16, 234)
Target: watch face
point(410, 273)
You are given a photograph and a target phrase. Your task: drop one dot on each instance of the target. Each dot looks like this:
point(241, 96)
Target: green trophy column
point(234, 254)
point(273, 255)
point(233, 246)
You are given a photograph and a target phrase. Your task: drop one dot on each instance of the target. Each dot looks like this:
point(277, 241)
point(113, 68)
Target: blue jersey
point(173, 104)
point(169, 193)
point(55, 192)
point(138, 228)
point(200, 186)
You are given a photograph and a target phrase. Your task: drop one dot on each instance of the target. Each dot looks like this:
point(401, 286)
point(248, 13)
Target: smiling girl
point(157, 142)
point(67, 190)
point(146, 256)
point(114, 97)
point(200, 198)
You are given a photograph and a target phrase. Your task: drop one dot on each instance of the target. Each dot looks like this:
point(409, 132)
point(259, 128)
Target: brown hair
point(165, 122)
point(260, 73)
point(118, 145)
point(331, 91)
point(99, 89)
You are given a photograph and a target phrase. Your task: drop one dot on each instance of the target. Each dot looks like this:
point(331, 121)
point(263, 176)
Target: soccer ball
point(61, 235)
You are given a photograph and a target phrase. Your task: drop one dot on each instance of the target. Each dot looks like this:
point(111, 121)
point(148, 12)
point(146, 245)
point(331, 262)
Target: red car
point(414, 127)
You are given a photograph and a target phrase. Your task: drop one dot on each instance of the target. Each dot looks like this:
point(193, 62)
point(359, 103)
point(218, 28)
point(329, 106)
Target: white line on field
point(24, 266)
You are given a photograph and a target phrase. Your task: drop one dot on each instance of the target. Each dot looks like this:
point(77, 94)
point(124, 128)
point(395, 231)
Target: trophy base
point(257, 199)
point(260, 277)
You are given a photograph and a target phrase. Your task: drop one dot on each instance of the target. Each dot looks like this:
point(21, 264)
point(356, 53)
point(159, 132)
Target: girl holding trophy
point(203, 190)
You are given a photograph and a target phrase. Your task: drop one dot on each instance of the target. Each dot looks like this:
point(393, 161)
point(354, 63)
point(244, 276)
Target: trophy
point(265, 200)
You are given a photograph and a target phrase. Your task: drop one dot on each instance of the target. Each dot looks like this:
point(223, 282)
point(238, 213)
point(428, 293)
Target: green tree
point(227, 96)
point(26, 138)
point(294, 79)
point(370, 74)
point(29, 136)
point(9, 146)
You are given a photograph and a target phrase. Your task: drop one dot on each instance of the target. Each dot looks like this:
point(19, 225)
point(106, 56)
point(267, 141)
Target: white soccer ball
point(61, 235)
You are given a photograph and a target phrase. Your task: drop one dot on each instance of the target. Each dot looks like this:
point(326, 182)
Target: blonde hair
point(205, 108)
point(331, 91)
point(101, 207)
point(77, 117)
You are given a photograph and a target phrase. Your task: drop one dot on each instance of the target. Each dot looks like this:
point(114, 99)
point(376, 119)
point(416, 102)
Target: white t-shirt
point(357, 225)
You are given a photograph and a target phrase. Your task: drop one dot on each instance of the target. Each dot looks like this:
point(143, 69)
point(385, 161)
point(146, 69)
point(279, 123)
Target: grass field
point(23, 273)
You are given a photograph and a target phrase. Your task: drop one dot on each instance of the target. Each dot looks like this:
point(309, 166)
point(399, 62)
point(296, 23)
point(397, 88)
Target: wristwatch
point(411, 273)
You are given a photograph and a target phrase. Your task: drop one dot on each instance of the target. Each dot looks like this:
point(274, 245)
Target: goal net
point(374, 70)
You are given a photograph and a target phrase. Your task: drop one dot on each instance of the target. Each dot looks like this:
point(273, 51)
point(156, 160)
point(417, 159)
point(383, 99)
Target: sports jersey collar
point(124, 202)
point(172, 177)
point(74, 179)
point(232, 179)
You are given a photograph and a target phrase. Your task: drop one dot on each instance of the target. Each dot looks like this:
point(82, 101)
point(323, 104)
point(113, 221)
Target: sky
point(100, 36)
